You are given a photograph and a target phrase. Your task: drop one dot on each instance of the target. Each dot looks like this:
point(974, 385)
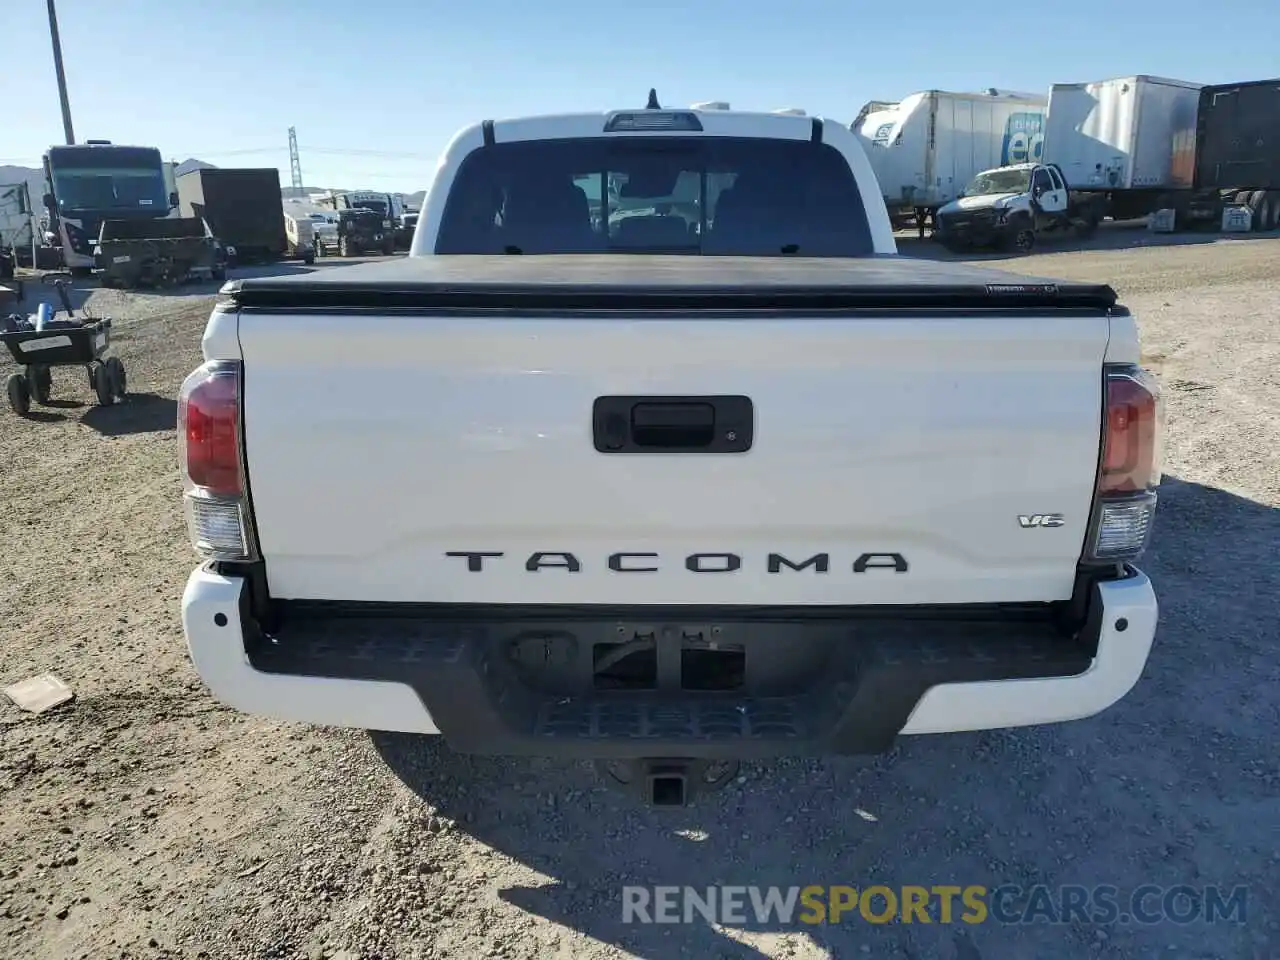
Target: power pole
point(295, 165)
point(62, 76)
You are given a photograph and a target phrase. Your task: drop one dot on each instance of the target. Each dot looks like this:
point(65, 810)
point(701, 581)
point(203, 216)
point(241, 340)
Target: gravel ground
point(144, 820)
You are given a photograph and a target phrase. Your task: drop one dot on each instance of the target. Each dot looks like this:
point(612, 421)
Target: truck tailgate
point(451, 459)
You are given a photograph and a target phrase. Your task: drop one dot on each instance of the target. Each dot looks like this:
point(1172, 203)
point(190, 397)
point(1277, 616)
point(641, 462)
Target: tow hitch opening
point(667, 782)
point(667, 790)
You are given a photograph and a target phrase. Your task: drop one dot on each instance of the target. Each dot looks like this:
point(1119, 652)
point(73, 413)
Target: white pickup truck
point(654, 453)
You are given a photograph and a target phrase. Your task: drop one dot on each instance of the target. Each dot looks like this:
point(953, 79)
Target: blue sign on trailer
point(1023, 138)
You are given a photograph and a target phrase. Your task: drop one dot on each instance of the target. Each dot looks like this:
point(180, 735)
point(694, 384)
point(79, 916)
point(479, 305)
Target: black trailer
point(156, 253)
point(1237, 154)
point(244, 210)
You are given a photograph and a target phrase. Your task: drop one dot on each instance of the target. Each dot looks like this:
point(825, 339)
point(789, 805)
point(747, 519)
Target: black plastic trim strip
point(506, 612)
point(816, 135)
point(486, 128)
point(666, 312)
point(515, 298)
point(489, 612)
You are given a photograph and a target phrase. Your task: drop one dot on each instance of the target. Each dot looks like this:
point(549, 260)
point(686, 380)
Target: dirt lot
point(143, 820)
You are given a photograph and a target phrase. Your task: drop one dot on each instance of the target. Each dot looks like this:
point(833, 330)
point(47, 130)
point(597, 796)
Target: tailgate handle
point(680, 425)
point(667, 424)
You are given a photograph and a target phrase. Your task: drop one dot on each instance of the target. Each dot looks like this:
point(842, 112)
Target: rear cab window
point(713, 196)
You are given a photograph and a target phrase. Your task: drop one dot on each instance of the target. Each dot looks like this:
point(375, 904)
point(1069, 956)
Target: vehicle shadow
point(137, 413)
point(1099, 801)
point(1124, 235)
point(47, 411)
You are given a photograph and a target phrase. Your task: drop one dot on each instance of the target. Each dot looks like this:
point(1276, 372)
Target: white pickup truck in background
point(654, 453)
point(1014, 206)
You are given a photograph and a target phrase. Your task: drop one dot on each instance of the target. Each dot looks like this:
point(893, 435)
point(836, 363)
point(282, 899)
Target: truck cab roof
point(1012, 166)
point(715, 122)
point(811, 169)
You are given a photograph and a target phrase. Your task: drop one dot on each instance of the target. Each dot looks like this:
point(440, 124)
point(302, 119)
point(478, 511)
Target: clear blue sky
point(391, 80)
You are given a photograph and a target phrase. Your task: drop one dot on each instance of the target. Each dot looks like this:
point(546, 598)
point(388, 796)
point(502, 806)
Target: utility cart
point(44, 340)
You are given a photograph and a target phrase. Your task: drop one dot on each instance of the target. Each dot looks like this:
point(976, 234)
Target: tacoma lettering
point(820, 562)
point(475, 561)
point(566, 561)
point(712, 562)
point(616, 561)
point(624, 562)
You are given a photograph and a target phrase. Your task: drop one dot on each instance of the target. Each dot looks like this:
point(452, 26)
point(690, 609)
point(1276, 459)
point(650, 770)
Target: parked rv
point(96, 181)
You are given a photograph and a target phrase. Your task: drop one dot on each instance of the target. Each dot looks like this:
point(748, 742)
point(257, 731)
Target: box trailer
point(1236, 156)
point(925, 148)
point(1134, 146)
point(243, 207)
point(1130, 138)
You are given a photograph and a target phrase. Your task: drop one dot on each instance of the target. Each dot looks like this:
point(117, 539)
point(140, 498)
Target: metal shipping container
point(925, 149)
point(1130, 133)
point(1238, 136)
point(244, 208)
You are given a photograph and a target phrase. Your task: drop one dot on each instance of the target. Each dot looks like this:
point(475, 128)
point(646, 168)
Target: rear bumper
point(881, 678)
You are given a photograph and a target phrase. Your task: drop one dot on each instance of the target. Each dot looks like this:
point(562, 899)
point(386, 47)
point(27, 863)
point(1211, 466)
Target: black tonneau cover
point(631, 282)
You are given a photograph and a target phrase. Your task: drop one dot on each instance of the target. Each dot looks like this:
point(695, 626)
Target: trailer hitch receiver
point(667, 782)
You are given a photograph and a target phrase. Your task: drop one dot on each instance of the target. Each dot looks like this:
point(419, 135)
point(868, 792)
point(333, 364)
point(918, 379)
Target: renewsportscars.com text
point(940, 903)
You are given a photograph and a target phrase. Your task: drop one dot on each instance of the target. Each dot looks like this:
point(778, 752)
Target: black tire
point(19, 394)
point(39, 383)
point(1259, 208)
point(309, 259)
point(102, 387)
point(116, 378)
point(1021, 239)
point(219, 274)
point(389, 248)
point(1269, 212)
point(1087, 226)
point(93, 378)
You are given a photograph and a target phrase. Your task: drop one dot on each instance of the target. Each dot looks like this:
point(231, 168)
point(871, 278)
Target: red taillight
point(209, 424)
point(1131, 433)
point(1125, 501)
point(213, 485)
